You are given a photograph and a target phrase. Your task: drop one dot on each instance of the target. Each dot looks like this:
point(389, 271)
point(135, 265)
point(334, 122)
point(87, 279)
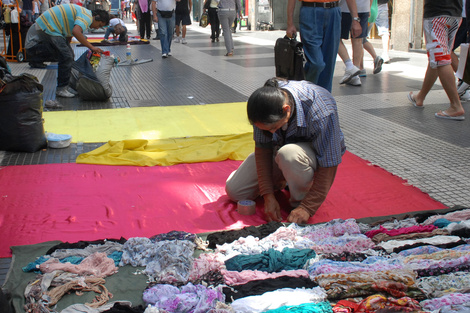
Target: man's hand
point(298, 216)
point(272, 209)
point(97, 50)
point(356, 29)
point(291, 31)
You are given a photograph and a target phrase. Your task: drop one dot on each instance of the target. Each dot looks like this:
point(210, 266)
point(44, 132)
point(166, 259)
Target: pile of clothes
point(416, 264)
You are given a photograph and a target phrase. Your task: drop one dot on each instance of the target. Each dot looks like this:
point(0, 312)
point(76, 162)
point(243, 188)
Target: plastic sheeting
point(72, 202)
point(171, 151)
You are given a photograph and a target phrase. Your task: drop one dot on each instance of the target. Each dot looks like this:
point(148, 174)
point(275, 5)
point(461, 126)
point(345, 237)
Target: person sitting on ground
point(298, 142)
point(49, 39)
point(117, 27)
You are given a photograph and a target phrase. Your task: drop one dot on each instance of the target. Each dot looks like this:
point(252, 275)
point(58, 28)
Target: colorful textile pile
point(338, 266)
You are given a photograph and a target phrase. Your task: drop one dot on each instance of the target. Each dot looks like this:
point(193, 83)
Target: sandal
point(229, 54)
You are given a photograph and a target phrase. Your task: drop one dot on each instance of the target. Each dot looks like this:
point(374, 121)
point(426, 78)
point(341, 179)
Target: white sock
point(349, 64)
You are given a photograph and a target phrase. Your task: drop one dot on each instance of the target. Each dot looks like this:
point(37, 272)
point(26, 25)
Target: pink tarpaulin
point(72, 202)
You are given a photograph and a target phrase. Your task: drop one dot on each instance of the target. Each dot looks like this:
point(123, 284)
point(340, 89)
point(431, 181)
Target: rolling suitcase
point(289, 58)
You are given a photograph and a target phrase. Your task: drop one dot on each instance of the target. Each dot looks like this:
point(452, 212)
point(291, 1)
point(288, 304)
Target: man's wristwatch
point(357, 19)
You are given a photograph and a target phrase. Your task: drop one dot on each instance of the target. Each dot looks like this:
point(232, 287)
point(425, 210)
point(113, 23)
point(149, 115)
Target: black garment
point(219, 238)
point(82, 244)
point(145, 24)
point(145, 20)
point(433, 8)
point(258, 287)
point(120, 308)
point(215, 24)
point(379, 2)
point(5, 303)
point(182, 7)
point(27, 4)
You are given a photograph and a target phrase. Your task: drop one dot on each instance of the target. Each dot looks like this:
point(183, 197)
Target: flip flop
point(413, 101)
point(444, 115)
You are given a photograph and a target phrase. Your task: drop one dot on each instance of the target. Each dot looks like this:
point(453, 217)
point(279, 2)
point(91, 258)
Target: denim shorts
point(346, 21)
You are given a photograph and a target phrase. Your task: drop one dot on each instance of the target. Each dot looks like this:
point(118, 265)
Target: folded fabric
point(167, 152)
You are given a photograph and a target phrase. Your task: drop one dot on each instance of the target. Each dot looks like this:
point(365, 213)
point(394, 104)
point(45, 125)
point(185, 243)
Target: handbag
point(289, 58)
point(204, 21)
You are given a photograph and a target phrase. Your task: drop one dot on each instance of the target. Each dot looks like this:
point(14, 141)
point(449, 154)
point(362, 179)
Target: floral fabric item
point(438, 286)
point(450, 299)
point(188, 298)
point(368, 265)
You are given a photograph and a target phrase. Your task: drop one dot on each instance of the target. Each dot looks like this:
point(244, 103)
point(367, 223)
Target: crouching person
point(298, 142)
point(117, 27)
point(48, 40)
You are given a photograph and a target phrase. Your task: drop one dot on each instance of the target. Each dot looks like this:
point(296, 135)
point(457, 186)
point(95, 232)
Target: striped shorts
point(439, 33)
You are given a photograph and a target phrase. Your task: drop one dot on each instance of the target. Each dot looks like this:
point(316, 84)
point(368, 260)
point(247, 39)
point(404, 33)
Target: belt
point(325, 5)
point(226, 9)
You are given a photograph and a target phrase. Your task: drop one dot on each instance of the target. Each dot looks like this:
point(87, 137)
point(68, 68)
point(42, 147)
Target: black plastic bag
point(21, 125)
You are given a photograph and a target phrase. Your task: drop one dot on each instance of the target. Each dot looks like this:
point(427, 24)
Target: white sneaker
point(462, 88)
point(71, 90)
point(177, 39)
point(355, 81)
point(169, 54)
point(183, 41)
point(465, 96)
point(349, 74)
point(164, 55)
point(378, 64)
point(63, 92)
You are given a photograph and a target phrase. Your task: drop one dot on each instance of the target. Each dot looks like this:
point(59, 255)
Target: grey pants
point(226, 19)
point(293, 163)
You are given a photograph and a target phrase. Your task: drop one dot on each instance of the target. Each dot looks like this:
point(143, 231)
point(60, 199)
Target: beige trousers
point(294, 164)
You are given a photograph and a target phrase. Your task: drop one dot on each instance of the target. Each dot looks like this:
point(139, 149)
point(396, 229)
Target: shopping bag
point(289, 58)
point(204, 20)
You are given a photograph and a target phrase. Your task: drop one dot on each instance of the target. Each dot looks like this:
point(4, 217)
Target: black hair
point(101, 16)
point(265, 104)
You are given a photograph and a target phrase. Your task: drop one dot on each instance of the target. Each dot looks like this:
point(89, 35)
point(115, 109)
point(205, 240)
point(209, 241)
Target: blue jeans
point(166, 27)
point(29, 14)
point(320, 31)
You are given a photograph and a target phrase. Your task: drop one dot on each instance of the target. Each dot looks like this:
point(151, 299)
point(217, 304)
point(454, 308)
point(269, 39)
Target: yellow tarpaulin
point(171, 151)
point(149, 122)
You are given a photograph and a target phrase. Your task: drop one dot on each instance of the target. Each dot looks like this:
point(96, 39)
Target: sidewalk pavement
point(378, 122)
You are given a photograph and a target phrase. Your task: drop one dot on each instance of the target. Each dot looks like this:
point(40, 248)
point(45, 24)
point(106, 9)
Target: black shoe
point(156, 38)
point(37, 65)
